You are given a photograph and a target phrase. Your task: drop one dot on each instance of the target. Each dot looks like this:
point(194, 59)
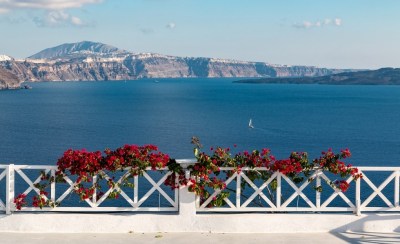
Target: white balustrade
point(8, 174)
point(361, 201)
point(284, 196)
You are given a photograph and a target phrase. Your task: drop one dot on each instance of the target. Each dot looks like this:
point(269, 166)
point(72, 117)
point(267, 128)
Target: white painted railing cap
point(186, 162)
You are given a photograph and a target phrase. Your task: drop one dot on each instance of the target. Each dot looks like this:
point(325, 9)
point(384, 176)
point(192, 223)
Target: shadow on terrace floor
point(371, 228)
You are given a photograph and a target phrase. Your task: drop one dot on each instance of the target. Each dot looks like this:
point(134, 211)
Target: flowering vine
point(297, 167)
point(86, 165)
point(205, 174)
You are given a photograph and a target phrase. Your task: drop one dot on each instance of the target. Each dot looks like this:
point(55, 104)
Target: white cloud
point(338, 22)
point(326, 22)
point(171, 25)
point(44, 4)
point(58, 19)
point(54, 11)
point(76, 21)
point(304, 25)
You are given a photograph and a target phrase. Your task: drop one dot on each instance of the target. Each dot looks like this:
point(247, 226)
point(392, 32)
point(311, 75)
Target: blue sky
point(325, 33)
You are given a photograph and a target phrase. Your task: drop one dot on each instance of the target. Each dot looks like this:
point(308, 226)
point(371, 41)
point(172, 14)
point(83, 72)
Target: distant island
point(94, 61)
point(384, 76)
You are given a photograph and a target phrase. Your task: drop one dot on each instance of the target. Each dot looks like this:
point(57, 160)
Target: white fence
point(135, 201)
point(377, 191)
point(358, 199)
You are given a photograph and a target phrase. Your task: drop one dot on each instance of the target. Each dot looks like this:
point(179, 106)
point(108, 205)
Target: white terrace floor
point(201, 238)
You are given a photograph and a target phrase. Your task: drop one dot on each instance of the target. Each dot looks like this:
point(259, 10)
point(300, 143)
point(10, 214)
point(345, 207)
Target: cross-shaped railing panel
point(383, 185)
point(268, 197)
point(142, 197)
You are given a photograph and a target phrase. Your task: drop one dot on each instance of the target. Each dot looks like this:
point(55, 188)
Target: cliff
point(384, 76)
point(96, 61)
point(136, 67)
point(8, 80)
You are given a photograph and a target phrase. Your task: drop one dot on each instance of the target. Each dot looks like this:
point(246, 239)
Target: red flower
point(20, 201)
point(342, 185)
point(345, 153)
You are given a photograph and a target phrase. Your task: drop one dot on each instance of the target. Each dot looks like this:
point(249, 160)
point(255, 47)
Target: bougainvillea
point(80, 163)
point(297, 167)
point(85, 165)
point(205, 174)
point(20, 201)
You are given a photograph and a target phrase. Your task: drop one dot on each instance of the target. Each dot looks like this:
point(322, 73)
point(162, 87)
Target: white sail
point(251, 124)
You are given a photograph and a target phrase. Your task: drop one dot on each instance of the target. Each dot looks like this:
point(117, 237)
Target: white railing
point(377, 190)
point(275, 200)
point(134, 201)
point(284, 196)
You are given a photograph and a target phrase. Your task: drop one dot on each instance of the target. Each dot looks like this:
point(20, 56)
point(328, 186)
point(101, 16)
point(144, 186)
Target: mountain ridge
point(83, 47)
point(94, 61)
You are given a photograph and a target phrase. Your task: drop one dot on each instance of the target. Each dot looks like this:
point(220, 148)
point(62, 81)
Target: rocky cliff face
point(8, 80)
point(303, 71)
point(384, 76)
point(95, 61)
point(135, 67)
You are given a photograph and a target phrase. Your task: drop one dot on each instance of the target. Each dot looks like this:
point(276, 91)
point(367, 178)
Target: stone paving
point(200, 238)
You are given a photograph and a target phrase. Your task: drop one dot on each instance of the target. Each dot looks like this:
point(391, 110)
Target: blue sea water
point(38, 125)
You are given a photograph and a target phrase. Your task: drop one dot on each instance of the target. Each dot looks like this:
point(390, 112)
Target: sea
point(38, 125)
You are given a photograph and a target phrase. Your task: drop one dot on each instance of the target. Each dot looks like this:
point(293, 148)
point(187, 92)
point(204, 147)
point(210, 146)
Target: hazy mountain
point(384, 76)
point(72, 50)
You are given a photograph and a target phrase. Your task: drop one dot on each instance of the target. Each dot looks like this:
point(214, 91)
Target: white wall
point(188, 221)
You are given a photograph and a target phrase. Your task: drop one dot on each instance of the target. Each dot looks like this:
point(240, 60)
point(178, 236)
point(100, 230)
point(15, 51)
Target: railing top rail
point(360, 168)
point(191, 161)
point(52, 167)
point(16, 166)
point(381, 168)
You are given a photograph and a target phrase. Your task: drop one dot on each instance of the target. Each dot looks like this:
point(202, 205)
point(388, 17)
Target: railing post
point(53, 186)
point(278, 190)
point(10, 194)
point(176, 191)
point(318, 193)
point(396, 189)
point(136, 191)
point(187, 201)
point(94, 196)
point(238, 189)
point(358, 197)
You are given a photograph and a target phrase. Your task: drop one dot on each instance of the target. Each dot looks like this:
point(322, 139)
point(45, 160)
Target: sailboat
point(251, 124)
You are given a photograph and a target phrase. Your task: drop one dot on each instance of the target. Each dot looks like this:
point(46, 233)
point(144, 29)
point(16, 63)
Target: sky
point(362, 34)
